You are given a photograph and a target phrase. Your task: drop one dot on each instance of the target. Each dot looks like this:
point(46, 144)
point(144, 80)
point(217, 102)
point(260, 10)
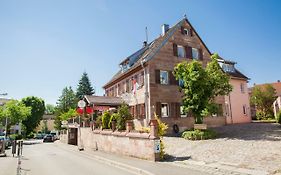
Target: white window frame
point(163, 71)
point(193, 52)
point(179, 47)
point(167, 110)
point(186, 31)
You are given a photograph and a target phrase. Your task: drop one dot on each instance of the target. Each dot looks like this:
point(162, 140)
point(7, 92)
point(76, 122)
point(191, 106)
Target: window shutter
point(135, 112)
point(142, 111)
point(172, 110)
point(191, 32)
point(200, 54)
point(158, 109)
point(177, 109)
point(188, 52)
point(172, 79)
point(182, 30)
point(157, 76)
point(175, 49)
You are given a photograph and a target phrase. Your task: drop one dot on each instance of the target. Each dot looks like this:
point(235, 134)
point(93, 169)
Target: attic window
point(228, 67)
point(185, 31)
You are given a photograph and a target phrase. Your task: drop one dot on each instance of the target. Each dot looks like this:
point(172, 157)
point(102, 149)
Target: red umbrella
point(89, 110)
point(80, 110)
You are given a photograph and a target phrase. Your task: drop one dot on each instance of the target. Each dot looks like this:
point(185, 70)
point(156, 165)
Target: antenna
point(146, 35)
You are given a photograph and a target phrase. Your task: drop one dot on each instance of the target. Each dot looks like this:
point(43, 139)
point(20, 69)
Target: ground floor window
point(164, 110)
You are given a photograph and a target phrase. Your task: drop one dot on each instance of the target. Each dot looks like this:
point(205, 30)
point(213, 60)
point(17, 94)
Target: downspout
point(147, 116)
point(230, 109)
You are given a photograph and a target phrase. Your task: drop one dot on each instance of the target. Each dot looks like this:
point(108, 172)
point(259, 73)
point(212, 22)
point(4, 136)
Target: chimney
point(165, 28)
point(144, 43)
point(278, 81)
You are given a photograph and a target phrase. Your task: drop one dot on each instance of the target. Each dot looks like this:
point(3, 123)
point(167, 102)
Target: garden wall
point(128, 143)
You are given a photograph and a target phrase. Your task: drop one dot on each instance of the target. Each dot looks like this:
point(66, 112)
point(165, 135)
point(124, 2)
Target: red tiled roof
point(276, 86)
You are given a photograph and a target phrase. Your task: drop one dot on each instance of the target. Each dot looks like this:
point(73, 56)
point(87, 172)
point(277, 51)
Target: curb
point(116, 164)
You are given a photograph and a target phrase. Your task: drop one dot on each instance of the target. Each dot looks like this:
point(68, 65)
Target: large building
point(145, 80)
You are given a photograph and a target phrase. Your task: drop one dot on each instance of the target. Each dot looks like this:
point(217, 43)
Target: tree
point(37, 106)
point(84, 87)
point(262, 99)
point(65, 102)
point(49, 109)
point(15, 111)
point(201, 86)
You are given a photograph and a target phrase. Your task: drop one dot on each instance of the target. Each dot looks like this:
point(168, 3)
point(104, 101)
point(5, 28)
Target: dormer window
point(124, 67)
point(228, 67)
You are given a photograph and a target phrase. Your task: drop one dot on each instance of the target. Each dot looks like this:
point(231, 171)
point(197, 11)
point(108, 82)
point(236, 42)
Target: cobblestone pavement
point(253, 148)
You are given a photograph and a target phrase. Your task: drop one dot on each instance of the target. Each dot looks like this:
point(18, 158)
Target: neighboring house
point(275, 85)
point(145, 80)
point(277, 105)
point(103, 103)
point(47, 121)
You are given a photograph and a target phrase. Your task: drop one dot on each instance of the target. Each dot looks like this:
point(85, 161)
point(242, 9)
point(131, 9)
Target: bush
point(30, 135)
point(278, 117)
point(16, 136)
point(162, 128)
point(113, 117)
point(99, 121)
point(199, 134)
point(105, 120)
point(122, 116)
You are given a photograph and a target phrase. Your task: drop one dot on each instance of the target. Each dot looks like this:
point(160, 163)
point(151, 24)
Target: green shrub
point(199, 134)
point(162, 129)
point(278, 117)
point(99, 121)
point(123, 114)
point(30, 135)
point(113, 117)
point(16, 136)
point(105, 120)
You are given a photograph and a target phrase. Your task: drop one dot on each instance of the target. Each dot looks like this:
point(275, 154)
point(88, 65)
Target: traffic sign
point(81, 104)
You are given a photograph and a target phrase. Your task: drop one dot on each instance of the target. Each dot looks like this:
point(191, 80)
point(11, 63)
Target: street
point(48, 158)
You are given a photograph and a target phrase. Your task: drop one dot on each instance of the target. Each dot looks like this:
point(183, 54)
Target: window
point(164, 110)
point(244, 109)
point(195, 53)
point(242, 88)
point(181, 83)
point(228, 67)
point(183, 112)
point(163, 77)
point(185, 31)
point(181, 51)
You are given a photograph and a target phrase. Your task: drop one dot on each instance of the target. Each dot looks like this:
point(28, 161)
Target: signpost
point(81, 103)
point(157, 146)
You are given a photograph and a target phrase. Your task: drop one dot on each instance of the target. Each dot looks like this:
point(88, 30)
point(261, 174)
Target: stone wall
point(129, 143)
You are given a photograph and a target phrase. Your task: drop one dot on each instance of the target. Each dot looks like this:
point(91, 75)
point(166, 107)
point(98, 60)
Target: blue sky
point(47, 45)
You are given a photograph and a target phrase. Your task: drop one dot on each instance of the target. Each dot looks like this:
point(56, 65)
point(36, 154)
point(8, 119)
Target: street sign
point(157, 146)
point(81, 104)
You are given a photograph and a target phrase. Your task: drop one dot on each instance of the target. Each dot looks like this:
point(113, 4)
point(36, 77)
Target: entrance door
point(73, 136)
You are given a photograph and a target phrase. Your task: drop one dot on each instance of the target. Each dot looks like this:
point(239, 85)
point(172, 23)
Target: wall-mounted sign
point(157, 146)
point(81, 103)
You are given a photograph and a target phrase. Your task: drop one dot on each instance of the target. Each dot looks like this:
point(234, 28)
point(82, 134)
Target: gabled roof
point(145, 54)
point(276, 86)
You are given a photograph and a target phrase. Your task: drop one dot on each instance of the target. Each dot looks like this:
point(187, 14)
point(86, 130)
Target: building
point(145, 80)
point(275, 85)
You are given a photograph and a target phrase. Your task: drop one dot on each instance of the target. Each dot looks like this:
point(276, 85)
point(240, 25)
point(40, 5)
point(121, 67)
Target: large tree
point(262, 99)
point(15, 111)
point(84, 87)
point(201, 86)
point(37, 106)
point(66, 101)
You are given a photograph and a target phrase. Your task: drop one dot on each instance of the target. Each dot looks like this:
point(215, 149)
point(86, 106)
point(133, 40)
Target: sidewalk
point(136, 166)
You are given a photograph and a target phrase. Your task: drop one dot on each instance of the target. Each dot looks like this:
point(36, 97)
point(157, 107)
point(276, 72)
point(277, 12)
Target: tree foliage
point(37, 106)
point(262, 99)
point(49, 109)
point(123, 114)
point(84, 87)
point(66, 101)
point(15, 111)
point(69, 114)
point(201, 86)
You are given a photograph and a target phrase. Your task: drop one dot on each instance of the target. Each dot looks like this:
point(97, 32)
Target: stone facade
point(154, 96)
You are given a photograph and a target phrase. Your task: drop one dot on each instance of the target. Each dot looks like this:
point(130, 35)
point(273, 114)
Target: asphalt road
point(49, 159)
